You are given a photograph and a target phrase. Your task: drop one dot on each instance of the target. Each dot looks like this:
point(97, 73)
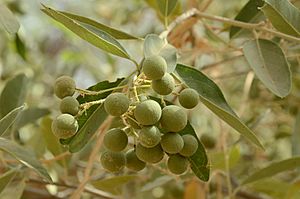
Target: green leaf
point(154, 45)
point(218, 159)
point(270, 65)
point(156, 183)
point(13, 94)
point(90, 121)
point(92, 35)
point(212, 97)
point(6, 178)
point(283, 15)
point(24, 156)
point(91, 23)
point(20, 46)
point(9, 119)
point(199, 162)
point(273, 169)
point(113, 185)
point(14, 189)
point(250, 13)
point(8, 21)
point(166, 6)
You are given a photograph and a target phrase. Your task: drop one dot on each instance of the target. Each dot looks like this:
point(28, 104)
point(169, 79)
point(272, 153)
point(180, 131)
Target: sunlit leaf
point(166, 6)
point(8, 21)
point(9, 119)
point(218, 159)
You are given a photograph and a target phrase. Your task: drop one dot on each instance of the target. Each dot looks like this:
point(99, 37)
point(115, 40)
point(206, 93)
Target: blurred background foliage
point(43, 50)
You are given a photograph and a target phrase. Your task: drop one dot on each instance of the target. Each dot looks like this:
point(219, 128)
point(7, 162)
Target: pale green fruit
point(115, 139)
point(149, 136)
point(64, 126)
point(171, 143)
point(116, 104)
point(132, 161)
point(154, 67)
point(177, 164)
point(149, 155)
point(173, 118)
point(113, 161)
point(69, 105)
point(190, 145)
point(64, 86)
point(147, 112)
point(188, 98)
point(164, 86)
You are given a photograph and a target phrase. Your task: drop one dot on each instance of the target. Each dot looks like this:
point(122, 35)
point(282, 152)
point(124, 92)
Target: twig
point(208, 66)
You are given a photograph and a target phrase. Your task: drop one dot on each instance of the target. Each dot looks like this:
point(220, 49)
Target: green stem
point(88, 92)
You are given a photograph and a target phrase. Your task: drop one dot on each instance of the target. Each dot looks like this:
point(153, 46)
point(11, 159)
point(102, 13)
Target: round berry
point(208, 140)
point(64, 126)
point(154, 67)
point(177, 164)
point(113, 161)
point(64, 86)
point(69, 105)
point(164, 86)
point(149, 155)
point(116, 104)
point(173, 118)
point(132, 161)
point(149, 136)
point(190, 145)
point(188, 98)
point(171, 143)
point(147, 112)
point(115, 140)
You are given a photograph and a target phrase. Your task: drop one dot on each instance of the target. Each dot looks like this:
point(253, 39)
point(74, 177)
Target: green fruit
point(173, 118)
point(132, 161)
point(64, 86)
point(177, 164)
point(113, 161)
point(115, 140)
point(208, 140)
point(64, 126)
point(154, 67)
point(69, 105)
point(171, 143)
point(164, 86)
point(190, 145)
point(116, 104)
point(149, 136)
point(149, 155)
point(147, 112)
point(188, 98)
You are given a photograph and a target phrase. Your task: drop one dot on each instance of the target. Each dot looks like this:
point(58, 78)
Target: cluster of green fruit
point(156, 128)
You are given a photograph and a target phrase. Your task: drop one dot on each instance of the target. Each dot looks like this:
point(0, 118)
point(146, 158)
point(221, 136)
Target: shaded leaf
point(270, 65)
point(156, 183)
point(24, 156)
point(273, 169)
point(13, 94)
point(6, 177)
point(212, 97)
point(92, 35)
point(283, 15)
point(14, 190)
point(166, 6)
point(20, 46)
point(8, 21)
point(9, 119)
point(218, 159)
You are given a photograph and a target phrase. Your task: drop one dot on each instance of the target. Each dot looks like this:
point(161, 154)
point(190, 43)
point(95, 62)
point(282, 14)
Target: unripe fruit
point(177, 164)
point(69, 105)
point(164, 86)
point(147, 112)
point(149, 155)
point(173, 118)
point(149, 136)
point(188, 98)
point(115, 140)
point(64, 86)
point(190, 145)
point(132, 161)
point(113, 161)
point(208, 140)
point(116, 104)
point(171, 143)
point(64, 126)
point(154, 67)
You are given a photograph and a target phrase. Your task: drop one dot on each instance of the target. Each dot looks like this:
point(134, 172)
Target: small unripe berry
point(171, 143)
point(177, 164)
point(173, 118)
point(69, 105)
point(149, 155)
point(113, 161)
point(115, 140)
point(149, 136)
point(188, 98)
point(64, 86)
point(64, 126)
point(208, 140)
point(190, 145)
point(154, 67)
point(147, 112)
point(132, 161)
point(164, 86)
point(116, 104)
